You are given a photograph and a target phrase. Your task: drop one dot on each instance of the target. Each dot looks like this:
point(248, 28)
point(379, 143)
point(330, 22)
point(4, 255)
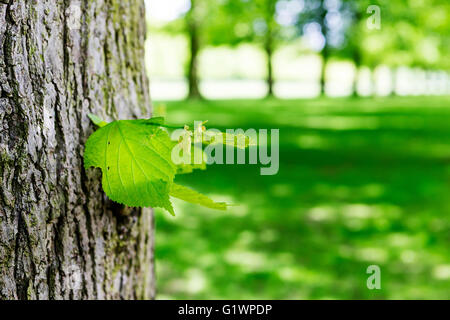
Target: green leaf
point(189, 168)
point(97, 120)
point(192, 196)
point(135, 159)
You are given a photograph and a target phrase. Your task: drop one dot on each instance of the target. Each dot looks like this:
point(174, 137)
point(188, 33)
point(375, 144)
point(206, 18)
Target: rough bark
point(60, 237)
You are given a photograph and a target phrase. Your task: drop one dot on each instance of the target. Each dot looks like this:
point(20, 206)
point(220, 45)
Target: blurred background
point(360, 93)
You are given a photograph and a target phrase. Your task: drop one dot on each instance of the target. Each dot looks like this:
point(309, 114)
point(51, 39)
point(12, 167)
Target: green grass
point(361, 182)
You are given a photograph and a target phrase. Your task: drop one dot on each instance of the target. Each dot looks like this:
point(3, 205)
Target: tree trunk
point(357, 62)
point(268, 47)
point(393, 82)
point(60, 237)
point(373, 82)
point(194, 48)
point(325, 51)
point(269, 43)
point(355, 92)
point(323, 72)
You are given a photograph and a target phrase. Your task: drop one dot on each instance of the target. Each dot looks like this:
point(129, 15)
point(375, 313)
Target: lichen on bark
point(60, 237)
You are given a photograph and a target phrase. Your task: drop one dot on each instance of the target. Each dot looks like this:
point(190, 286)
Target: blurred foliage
point(361, 182)
point(413, 32)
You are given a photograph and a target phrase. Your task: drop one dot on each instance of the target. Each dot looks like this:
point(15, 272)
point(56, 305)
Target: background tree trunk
point(194, 49)
point(269, 43)
point(268, 47)
point(323, 72)
point(325, 51)
point(59, 235)
point(357, 61)
point(393, 71)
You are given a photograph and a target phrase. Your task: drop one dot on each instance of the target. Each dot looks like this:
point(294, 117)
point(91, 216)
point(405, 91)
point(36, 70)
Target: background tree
point(195, 24)
point(254, 22)
point(356, 23)
point(411, 35)
point(327, 21)
point(192, 26)
point(60, 237)
point(269, 33)
point(227, 22)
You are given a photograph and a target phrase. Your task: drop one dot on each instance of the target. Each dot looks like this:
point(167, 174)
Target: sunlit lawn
point(361, 182)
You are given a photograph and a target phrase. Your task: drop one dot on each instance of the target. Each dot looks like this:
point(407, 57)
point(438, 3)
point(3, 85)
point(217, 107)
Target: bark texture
point(60, 237)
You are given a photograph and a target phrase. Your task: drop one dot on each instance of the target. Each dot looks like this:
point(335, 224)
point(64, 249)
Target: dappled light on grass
point(442, 272)
point(341, 201)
